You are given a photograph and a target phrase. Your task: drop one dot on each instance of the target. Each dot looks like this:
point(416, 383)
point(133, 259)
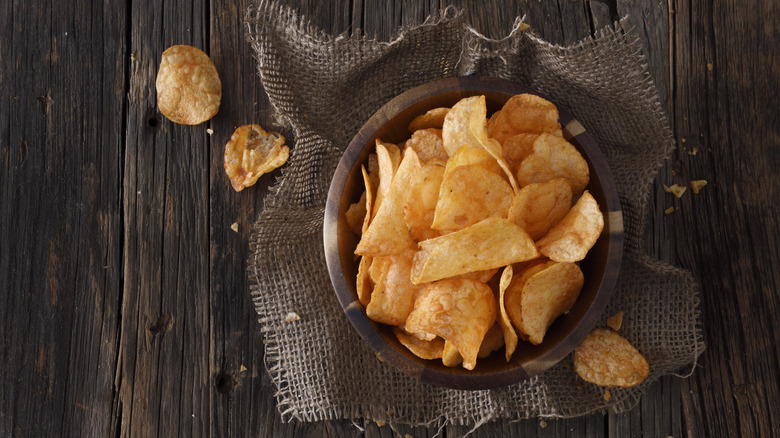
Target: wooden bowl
point(600, 268)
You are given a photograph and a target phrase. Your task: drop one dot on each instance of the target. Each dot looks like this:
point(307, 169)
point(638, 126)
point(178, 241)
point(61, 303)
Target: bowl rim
point(457, 379)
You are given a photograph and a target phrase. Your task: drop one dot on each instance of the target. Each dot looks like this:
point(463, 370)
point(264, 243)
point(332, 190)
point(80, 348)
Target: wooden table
point(123, 294)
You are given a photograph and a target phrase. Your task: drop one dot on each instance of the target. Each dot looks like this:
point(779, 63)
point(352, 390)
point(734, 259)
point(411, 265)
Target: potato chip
point(369, 199)
point(393, 297)
point(553, 157)
point(615, 321)
point(510, 336)
point(378, 268)
point(364, 284)
point(188, 87)
point(697, 185)
point(540, 206)
point(469, 194)
point(386, 170)
point(536, 301)
point(480, 276)
point(516, 148)
point(525, 114)
point(465, 126)
point(429, 146)
point(373, 171)
point(492, 243)
point(493, 341)
point(466, 156)
point(421, 335)
point(450, 357)
point(460, 311)
point(607, 359)
point(432, 349)
point(356, 214)
point(251, 152)
point(572, 238)
point(420, 202)
point(387, 233)
point(431, 119)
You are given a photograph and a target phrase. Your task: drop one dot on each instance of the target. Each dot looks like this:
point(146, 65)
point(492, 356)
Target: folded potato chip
point(540, 206)
point(432, 349)
point(553, 157)
point(489, 244)
point(429, 146)
point(364, 284)
point(431, 119)
point(420, 202)
point(387, 233)
point(608, 359)
point(525, 114)
point(460, 311)
point(538, 299)
point(386, 170)
point(510, 336)
point(572, 238)
point(394, 294)
point(469, 194)
point(369, 199)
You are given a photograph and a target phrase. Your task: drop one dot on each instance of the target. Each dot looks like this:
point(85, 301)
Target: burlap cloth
point(325, 88)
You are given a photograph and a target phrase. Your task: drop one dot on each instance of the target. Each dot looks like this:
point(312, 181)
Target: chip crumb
point(697, 185)
point(542, 424)
point(607, 395)
point(674, 189)
point(674, 172)
point(567, 365)
point(380, 423)
point(669, 210)
point(682, 140)
point(709, 66)
point(291, 317)
point(242, 369)
point(578, 385)
point(209, 131)
point(616, 321)
point(525, 26)
point(693, 151)
point(408, 435)
point(234, 227)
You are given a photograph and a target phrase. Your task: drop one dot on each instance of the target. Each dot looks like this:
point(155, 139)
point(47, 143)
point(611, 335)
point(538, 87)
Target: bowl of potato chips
point(473, 233)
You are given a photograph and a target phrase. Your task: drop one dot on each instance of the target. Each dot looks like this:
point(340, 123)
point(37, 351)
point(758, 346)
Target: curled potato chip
point(572, 238)
point(539, 206)
point(431, 119)
point(394, 295)
point(432, 349)
point(188, 87)
point(553, 157)
point(364, 284)
point(493, 341)
point(420, 202)
point(510, 336)
point(251, 152)
point(469, 194)
point(428, 145)
point(369, 199)
point(525, 114)
point(387, 233)
point(460, 311)
point(538, 299)
point(385, 171)
point(607, 359)
point(491, 243)
point(450, 357)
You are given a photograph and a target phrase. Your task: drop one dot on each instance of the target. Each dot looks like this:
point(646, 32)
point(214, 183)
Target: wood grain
point(124, 301)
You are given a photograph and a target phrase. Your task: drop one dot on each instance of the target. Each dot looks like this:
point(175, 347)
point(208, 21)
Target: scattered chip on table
point(188, 87)
point(607, 359)
point(697, 185)
point(674, 189)
point(252, 152)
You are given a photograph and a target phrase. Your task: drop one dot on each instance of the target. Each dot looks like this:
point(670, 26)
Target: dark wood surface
point(124, 302)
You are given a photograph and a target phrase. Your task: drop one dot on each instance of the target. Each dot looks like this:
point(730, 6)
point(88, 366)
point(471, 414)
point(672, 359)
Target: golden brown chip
point(510, 336)
point(539, 207)
point(188, 87)
point(538, 299)
point(674, 189)
point(431, 119)
point(251, 152)
point(432, 349)
point(460, 311)
point(490, 244)
point(420, 202)
point(428, 145)
point(572, 238)
point(467, 156)
point(615, 321)
point(493, 341)
point(387, 233)
point(377, 268)
point(516, 148)
point(607, 359)
point(450, 357)
point(394, 295)
point(469, 194)
point(697, 185)
point(364, 284)
point(385, 172)
point(369, 199)
point(525, 114)
point(356, 215)
point(553, 157)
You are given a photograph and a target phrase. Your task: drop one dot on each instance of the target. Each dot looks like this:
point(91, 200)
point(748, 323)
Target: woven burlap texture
point(324, 88)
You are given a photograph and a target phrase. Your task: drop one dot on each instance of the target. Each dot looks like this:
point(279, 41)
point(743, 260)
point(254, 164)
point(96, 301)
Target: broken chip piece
point(252, 152)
